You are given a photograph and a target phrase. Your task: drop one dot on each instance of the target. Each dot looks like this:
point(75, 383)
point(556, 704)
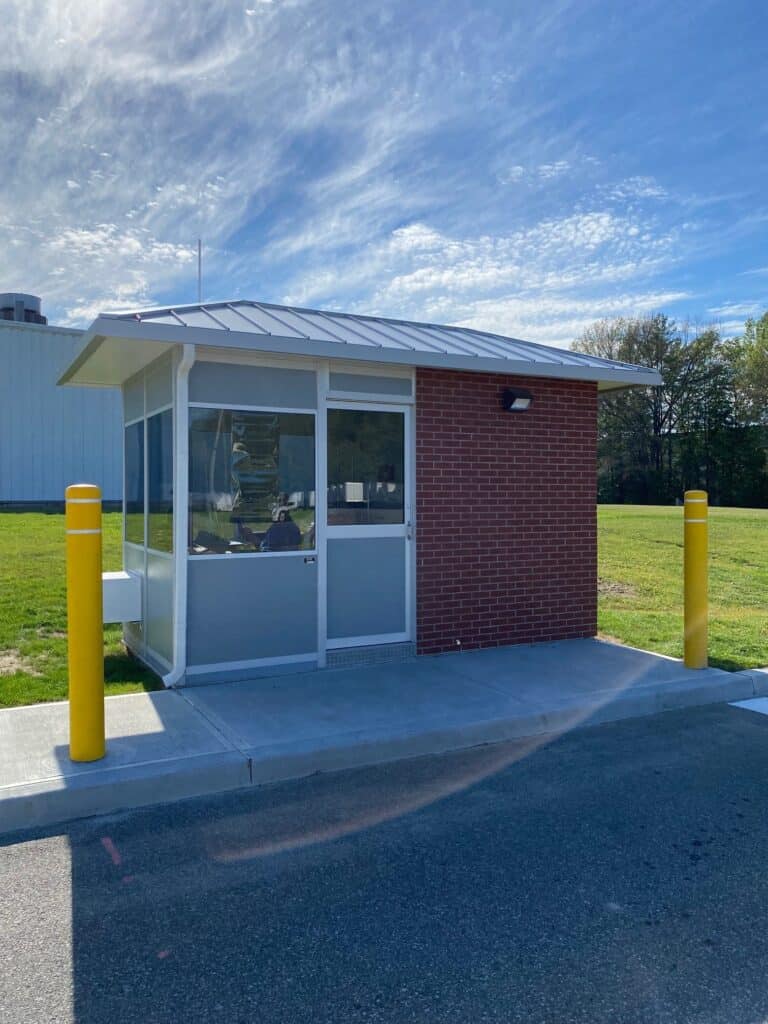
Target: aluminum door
point(369, 524)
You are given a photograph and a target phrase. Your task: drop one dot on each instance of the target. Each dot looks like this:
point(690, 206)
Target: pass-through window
point(251, 481)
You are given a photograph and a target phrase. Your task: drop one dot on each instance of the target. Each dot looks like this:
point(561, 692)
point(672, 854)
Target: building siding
point(506, 517)
point(52, 436)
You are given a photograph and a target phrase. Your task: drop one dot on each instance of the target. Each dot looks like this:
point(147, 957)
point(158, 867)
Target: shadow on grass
point(50, 508)
point(732, 664)
point(123, 668)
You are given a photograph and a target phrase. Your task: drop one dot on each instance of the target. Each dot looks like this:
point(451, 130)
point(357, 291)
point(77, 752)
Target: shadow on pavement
point(612, 874)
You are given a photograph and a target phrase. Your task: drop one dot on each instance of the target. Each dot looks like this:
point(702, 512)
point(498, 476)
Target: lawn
point(641, 581)
point(641, 594)
point(33, 614)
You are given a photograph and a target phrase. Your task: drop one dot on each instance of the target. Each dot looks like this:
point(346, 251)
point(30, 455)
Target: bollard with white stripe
point(85, 628)
point(695, 571)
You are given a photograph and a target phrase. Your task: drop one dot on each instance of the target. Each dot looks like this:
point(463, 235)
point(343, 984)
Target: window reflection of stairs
point(257, 475)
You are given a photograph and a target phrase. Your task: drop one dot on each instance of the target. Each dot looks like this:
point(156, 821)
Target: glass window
point(134, 483)
point(251, 481)
point(366, 467)
point(160, 472)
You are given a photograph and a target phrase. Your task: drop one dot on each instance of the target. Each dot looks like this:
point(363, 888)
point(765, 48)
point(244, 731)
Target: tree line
point(705, 426)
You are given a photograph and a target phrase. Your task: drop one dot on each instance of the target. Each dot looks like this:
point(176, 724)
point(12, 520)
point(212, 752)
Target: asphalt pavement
point(616, 873)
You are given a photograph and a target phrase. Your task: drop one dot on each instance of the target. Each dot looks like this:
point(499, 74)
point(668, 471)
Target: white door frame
point(324, 532)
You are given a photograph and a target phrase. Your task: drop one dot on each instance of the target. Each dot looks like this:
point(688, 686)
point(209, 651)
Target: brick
point(506, 522)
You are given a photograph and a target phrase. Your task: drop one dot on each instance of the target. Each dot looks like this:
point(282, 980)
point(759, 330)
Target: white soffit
point(118, 344)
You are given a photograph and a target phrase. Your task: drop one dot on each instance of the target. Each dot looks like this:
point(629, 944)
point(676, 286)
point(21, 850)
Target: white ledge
point(121, 600)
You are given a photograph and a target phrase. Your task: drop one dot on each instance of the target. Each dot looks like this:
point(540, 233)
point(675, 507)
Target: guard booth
point(273, 476)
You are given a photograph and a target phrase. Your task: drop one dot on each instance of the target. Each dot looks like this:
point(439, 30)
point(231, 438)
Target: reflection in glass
point(251, 481)
point(366, 467)
point(160, 472)
point(134, 483)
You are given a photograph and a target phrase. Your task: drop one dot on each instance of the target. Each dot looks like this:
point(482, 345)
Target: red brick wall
point(505, 511)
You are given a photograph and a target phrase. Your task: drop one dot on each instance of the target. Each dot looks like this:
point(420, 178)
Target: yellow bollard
point(85, 628)
point(695, 558)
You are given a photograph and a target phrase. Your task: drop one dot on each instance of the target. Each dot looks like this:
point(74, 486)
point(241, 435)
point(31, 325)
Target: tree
point(702, 427)
point(637, 427)
point(753, 369)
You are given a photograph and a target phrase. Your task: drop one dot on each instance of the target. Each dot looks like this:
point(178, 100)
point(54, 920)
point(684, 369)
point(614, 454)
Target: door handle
point(310, 559)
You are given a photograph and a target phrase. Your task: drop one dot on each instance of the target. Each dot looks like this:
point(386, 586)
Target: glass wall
point(160, 481)
point(156, 433)
point(251, 481)
point(366, 467)
point(134, 483)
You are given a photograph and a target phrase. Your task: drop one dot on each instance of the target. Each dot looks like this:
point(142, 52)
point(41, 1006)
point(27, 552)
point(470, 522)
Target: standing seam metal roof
point(295, 322)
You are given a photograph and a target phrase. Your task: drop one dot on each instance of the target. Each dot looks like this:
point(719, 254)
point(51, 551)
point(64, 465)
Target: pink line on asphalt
point(112, 850)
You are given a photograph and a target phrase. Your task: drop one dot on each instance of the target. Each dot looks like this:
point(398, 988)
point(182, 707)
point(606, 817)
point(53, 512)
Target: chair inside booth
point(251, 481)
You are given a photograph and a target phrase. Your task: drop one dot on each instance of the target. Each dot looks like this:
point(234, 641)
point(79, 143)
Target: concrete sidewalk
point(200, 740)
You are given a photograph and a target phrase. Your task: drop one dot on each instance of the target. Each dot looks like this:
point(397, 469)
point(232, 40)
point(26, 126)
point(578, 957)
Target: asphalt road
point(614, 874)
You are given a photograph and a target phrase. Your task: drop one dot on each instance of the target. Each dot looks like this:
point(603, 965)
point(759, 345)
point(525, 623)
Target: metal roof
point(294, 330)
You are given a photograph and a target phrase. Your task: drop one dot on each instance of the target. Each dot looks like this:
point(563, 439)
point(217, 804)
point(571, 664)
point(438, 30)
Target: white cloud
point(742, 309)
point(539, 174)
point(558, 320)
point(512, 174)
point(106, 242)
point(730, 328)
point(130, 294)
point(403, 165)
point(553, 170)
point(543, 172)
point(546, 281)
point(639, 187)
point(188, 122)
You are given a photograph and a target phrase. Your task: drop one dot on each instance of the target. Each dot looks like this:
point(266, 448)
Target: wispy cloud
point(638, 187)
point(409, 160)
point(559, 319)
point(543, 279)
point(740, 309)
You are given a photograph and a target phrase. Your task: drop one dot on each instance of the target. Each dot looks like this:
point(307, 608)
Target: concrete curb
point(276, 764)
point(54, 801)
point(110, 790)
point(759, 677)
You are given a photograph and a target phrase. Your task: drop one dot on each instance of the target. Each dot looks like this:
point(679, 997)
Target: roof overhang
point(114, 349)
point(108, 361)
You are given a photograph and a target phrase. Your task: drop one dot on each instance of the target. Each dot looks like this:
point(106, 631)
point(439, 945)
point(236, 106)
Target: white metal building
point(49, 436)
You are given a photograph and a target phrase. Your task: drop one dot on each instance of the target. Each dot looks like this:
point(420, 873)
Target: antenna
point(200, 270)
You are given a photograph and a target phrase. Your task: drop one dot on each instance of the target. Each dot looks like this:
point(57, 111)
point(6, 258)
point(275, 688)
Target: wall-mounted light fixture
point(516, 399)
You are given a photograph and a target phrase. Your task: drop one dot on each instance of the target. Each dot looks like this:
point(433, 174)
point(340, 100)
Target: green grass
point(33, 614)
point(641, 581)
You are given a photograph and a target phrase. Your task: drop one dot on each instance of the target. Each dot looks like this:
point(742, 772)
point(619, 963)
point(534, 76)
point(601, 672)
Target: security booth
point(306, 488)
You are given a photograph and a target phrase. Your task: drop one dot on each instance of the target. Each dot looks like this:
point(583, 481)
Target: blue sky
point(526, 168)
